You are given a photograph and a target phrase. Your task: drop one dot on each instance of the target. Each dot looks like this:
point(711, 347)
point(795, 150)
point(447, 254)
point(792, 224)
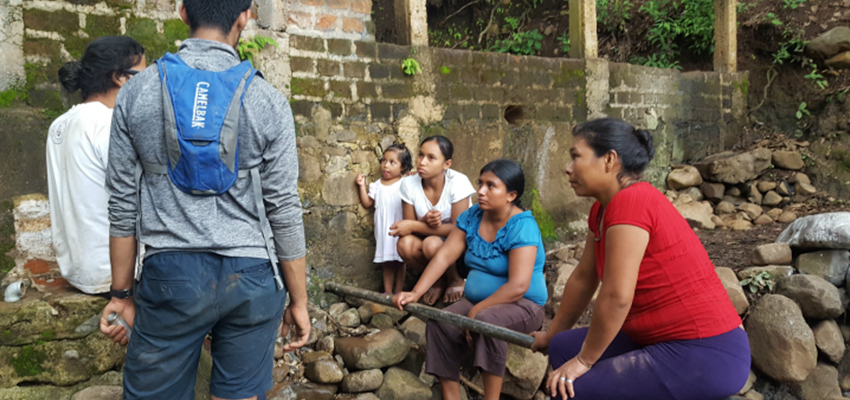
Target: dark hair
point(445, 145)
point(403, 155)
point(104, 57)
point(219, 14)
point(633, 146)
point(510, 174)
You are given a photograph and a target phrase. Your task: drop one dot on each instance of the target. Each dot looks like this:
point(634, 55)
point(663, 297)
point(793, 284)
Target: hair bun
point(69, 76)
point(645, 139)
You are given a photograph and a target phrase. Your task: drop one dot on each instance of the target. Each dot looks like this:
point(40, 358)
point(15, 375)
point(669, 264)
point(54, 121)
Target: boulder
point(787, 159)
point(771, 254)
point(776, 272)
point(799, 177)
point(786, 217)
point(693, 191)
point(378, 350)
point(362, 381)
point(733, 191)
point(394, 313)
point(783, 189)
point(817, 298)
point(698, 214)
point(753, 194)
point(829, 44)
point(399, 384)
point(414, 330)
point(381, 321)
point(336, 309)
point(819, 231)
point(803, 192)
point(301, 391)
point(313, 356)
point(100, 393)
point(829, 340)
point(782, 344)
point(774, 213)
point(728, 167)
point(326, 344)
point(766, 186)
point(822, 383)
point(751, 379)
point(556, 279)
point(349, 318)
point(524, 372)
point(713, 191)
point(733, 289)
point(752, 210)
point(366, 313)
point(735, 200)
point(724, 207)
point(752, 395)
point(323, 371)
point(828, 264)
point(763, 220)
point(684, 177)
point(771, 198)
point(844, 372)
point(718, 222)
point(739, 225)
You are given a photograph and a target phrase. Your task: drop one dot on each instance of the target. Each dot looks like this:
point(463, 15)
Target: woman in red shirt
point(663, 326)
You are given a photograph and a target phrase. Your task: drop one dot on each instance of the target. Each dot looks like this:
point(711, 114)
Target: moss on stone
point(28, 361)
point(156, 44)
point(48, 335)
point(543, 218)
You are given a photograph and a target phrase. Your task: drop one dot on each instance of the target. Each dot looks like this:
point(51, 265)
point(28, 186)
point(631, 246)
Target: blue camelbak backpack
point(201, 120)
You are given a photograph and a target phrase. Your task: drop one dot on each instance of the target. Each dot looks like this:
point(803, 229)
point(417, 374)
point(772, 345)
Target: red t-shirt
point(678, 294)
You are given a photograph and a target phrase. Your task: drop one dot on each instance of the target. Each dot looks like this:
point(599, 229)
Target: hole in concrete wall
point(383, 16)
point(514, 114)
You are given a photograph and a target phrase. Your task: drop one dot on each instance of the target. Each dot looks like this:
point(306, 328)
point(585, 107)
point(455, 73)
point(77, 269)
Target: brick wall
point(350, 19)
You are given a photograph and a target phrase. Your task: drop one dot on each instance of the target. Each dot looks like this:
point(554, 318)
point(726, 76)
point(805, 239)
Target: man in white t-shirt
point(77, 154)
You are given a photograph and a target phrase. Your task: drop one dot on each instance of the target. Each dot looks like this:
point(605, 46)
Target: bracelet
point(582, 362)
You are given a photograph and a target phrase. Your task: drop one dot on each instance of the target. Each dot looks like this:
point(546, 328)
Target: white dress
point(456, 188)
point(387, 212)
point(77, 150)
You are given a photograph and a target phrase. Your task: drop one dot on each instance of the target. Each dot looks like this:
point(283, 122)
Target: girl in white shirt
point(431, 202)
point(77, 150)
point(384, 195)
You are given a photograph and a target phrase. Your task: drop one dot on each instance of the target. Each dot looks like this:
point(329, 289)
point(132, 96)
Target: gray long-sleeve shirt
point(227, 224)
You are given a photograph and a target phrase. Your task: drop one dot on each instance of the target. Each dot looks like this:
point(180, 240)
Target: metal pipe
point(421, 310)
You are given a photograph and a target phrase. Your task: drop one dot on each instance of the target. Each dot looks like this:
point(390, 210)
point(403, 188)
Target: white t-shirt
point(77, 153)
point(457, 188)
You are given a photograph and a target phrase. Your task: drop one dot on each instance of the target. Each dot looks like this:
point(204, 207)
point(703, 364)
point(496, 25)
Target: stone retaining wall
point(351, 99)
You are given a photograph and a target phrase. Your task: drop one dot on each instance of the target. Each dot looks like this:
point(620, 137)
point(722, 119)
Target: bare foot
point(433, 294)
point(454, 292)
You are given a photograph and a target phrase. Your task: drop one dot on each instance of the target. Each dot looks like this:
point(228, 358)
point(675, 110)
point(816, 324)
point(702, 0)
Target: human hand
point(541, 341)
point(562, 379)
point(404, 298)
point(296, 315)
point(361, 180)
point(473, 312)
point(401, 228)
point(125, 308)
point(434, 218)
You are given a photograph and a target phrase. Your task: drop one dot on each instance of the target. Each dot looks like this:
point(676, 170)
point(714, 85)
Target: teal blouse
point(488, 261)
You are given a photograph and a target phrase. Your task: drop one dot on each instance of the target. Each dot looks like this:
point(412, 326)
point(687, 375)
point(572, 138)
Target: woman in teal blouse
point(503, 249)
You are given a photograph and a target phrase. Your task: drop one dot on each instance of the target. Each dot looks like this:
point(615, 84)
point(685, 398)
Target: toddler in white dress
point(384, 194)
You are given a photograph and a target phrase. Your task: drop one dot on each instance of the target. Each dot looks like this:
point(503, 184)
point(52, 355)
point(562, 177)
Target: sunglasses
point(131, 72)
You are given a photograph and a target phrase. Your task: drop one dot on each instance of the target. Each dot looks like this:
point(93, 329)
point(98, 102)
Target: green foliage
point(818, 79)
point(520, 43)
point(675, 21)
point(48, 335)
point(247, 49)
point(544, 220)
point(28, 361)
point(801, 110)
point(513, 23)
point(772, 19)
point(793, 4)
point(7, 97)
point(410, 66)
point(758, 282)
point(564, 40)
point(613, 14)
point(445, 70)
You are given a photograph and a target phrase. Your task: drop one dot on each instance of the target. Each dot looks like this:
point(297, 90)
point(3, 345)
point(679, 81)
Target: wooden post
point(725, 35)
point(583, 42)
point(461, 321)
point(411, 22)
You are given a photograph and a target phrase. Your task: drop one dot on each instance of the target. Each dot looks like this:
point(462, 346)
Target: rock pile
point(798, 335)
point(365, 351)
point(740, 190)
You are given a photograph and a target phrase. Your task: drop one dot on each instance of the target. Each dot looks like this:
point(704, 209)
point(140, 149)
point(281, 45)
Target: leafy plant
point(674, 20)
point(543, 218)
point(247, 49)
point(758, 282)
point(817, 78)
point(773, 19)
point(564, 40)
point(793, 4)
point(513, 23)
point(613, 14)
point(658, 60)
point(801, 110)
point(410, 66)
point(445, 70)
point(521, 43)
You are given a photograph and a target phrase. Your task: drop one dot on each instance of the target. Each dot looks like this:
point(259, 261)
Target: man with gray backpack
point(203, 170)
